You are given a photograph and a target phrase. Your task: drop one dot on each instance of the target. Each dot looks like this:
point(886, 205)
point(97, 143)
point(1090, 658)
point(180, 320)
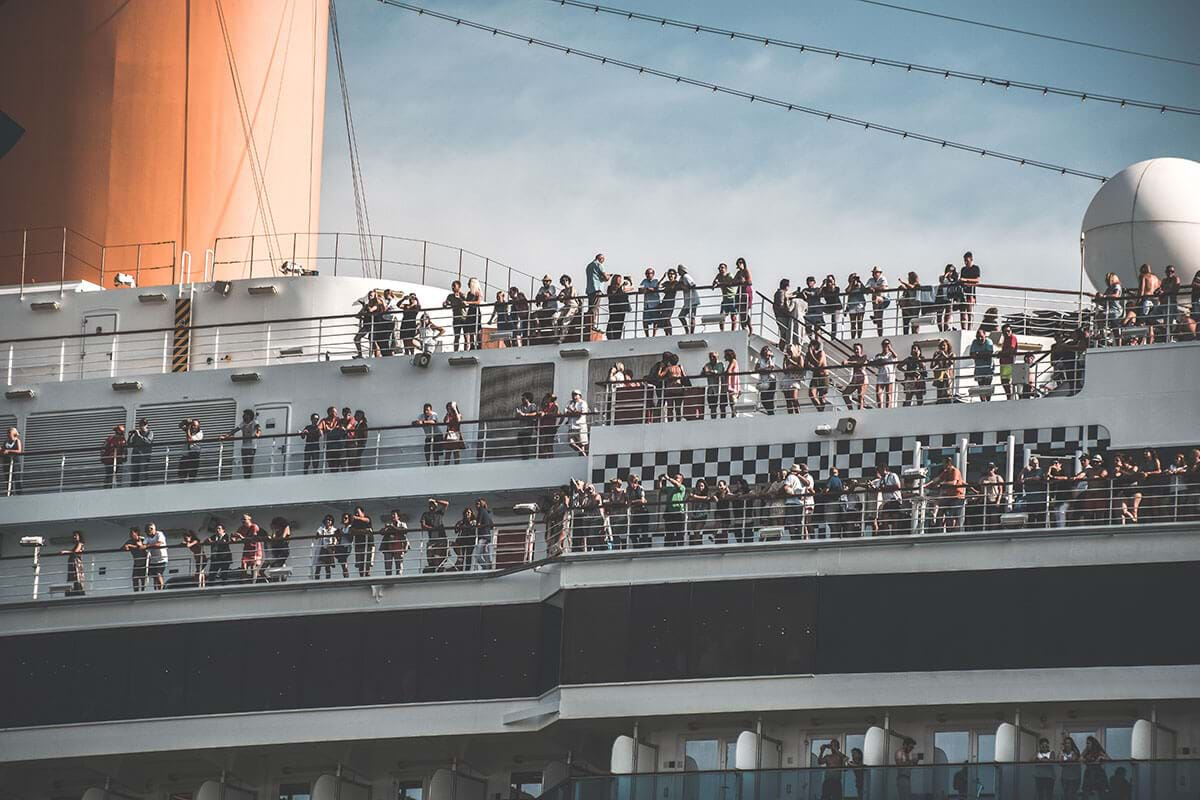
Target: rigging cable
point(719, 89)
point(1034, 34)
point(366, 243)
point(907, 66)
point(256, 174)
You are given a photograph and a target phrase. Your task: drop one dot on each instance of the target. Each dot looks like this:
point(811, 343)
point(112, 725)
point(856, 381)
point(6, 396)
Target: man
point(1168, 302)
point(952, 499)
point(818, 369)
point(835, 487)
point(596, 278)
point(10, 461)
point(385, 323)
point(220, 557)
point(1008, 357)
point(250, 535)
point(616, 503)
point(112, 456)
point(140, 442)
point(433, 523)
point(588, 529)
point(650, 301)
point(981, 351)
point(1149, 289)
point(905, 760)
point(249, 431)
point(832, 759)
point(992, 484)
point(968, 278)
point(713, 373)
point(784, 307)
point(639, 513)
point(547, 301)
point(189, 464)
point(674, 497)
point(888, 484)
point(156, 544)
point(691, 299)
point(393, 542)
point(136, 547)
point(485, 524)
point(310, 434)
point(576, 413)
point(456, 301)
point(1032, 483)
point(729, 290)
point(814, 308)
point(795, 490)
point(877, 286)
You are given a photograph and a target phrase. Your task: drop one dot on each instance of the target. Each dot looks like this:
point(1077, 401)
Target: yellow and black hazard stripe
point(181, 352)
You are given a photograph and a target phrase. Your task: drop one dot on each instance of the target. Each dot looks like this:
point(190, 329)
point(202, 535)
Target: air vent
point(262, 290)
point(127, 386)
point(19, 394)
point(462, 361)
point(577, 352)
point(45, 305)
point(693, 344)
point(152, 297)
point(355, 369)
point(245, 377)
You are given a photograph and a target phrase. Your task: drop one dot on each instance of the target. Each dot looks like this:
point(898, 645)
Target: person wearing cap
point(891, 493)
point(992, 486)
point(639, 512)
point(1093, 483)
point(616, 505)
point(112, 456)
point(798, 501)
point(877, 287)
point(546, 299)
point(595, 277)
point(433, 524)
point(576, 413)
point(690, 299)
point(141, 442)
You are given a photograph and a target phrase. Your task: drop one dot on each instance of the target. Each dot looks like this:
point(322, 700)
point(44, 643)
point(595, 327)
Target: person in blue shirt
point(981, 353)
point(596, 278)
point(650, 300)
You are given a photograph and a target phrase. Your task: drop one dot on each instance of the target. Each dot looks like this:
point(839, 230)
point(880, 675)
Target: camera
point(184, 424)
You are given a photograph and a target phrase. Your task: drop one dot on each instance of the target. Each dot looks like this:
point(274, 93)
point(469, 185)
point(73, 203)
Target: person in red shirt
point(113, 456)
point(952, 499)
point(1008, 357)
point(250, 535)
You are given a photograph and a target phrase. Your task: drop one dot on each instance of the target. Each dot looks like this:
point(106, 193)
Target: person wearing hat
point(141, 442)
point(546, 299)
point(639, 512)
point(992, 485)
point(616, 506)
point(596, 276)
point(576, 413)
point(797, 503)
point(690, 299)
point(112, 456)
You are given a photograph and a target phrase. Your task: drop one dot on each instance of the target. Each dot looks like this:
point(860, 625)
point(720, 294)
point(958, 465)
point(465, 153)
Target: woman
point(1069, 757)
point(1094, 486)
point(1176, 477)
point(745, 296)
point(410, 307)
point(195, 546)
point(831, 300)
point(75, 564)
point(1095, 781)
point(794, 359)
point(1043, 773)
point(1154, 485)
point(452, 437)
point(474, 327)
point(670, 287)
point(915, 375)
point(345, 540)
point(949, 295)
point(698, 502)
point(671, 375)
point(548, 422)
point(733, 382)
point(570, 315)
point(502, 318)
point(1126, 479)
point(618, 306)
point(885, 376)
point(357, 443)
point(856, 304)
point(817, 365)
point(279, 545)
point(942, 364)
point(327, 540)
point(855, 393)
point(764, 367)
point(466, 536)
point(910, 304)
point(1109, 300)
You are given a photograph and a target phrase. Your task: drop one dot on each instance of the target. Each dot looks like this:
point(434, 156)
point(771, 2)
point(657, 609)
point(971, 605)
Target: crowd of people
point(792, 504)
point(1151, 312)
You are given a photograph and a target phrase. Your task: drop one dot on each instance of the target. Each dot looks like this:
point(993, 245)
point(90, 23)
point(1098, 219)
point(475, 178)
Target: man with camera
point(140, 443)
point(189, 464)
point(674, 495)
point(834, 760)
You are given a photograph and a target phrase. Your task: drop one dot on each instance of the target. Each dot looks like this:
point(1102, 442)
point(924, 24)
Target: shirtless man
point(833, 759)
point(818, 367)
point(905, 759)
point(1148, 286)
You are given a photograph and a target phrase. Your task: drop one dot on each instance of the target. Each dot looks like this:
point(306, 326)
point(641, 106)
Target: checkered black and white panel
point(853, 457)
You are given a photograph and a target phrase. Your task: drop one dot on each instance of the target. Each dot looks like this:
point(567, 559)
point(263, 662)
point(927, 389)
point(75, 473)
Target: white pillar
point(875, 747)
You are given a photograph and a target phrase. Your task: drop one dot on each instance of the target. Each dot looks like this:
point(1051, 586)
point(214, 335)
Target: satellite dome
point(1148, 213)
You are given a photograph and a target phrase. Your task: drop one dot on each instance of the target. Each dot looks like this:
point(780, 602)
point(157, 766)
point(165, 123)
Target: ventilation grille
point(81, 432)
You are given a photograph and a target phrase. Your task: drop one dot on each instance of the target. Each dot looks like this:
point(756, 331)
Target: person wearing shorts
point(156, 546)
point(1007, 359)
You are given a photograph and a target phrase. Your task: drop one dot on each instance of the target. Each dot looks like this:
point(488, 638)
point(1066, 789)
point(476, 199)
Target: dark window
point(595, 635)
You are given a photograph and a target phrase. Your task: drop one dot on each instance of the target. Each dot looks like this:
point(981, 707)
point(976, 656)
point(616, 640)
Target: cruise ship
point(283, 516)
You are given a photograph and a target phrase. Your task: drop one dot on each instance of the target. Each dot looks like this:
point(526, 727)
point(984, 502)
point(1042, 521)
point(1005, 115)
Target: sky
point(541, 160)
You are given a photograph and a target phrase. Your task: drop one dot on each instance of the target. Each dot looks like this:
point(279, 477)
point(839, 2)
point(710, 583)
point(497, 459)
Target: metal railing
point(47, 256)
point(41, 471)
point(1101, 779)
point(570, 525)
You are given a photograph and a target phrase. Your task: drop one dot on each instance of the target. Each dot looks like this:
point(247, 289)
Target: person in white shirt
point(156, 544)
point(326, 552)
point(577, 426)
point(691, 300)
point(877, 288)
point(885, 376)
point(890, 489)
point(798, 501)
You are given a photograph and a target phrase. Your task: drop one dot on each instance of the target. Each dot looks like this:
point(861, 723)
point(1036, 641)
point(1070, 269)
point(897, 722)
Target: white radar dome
point(1148, 213)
